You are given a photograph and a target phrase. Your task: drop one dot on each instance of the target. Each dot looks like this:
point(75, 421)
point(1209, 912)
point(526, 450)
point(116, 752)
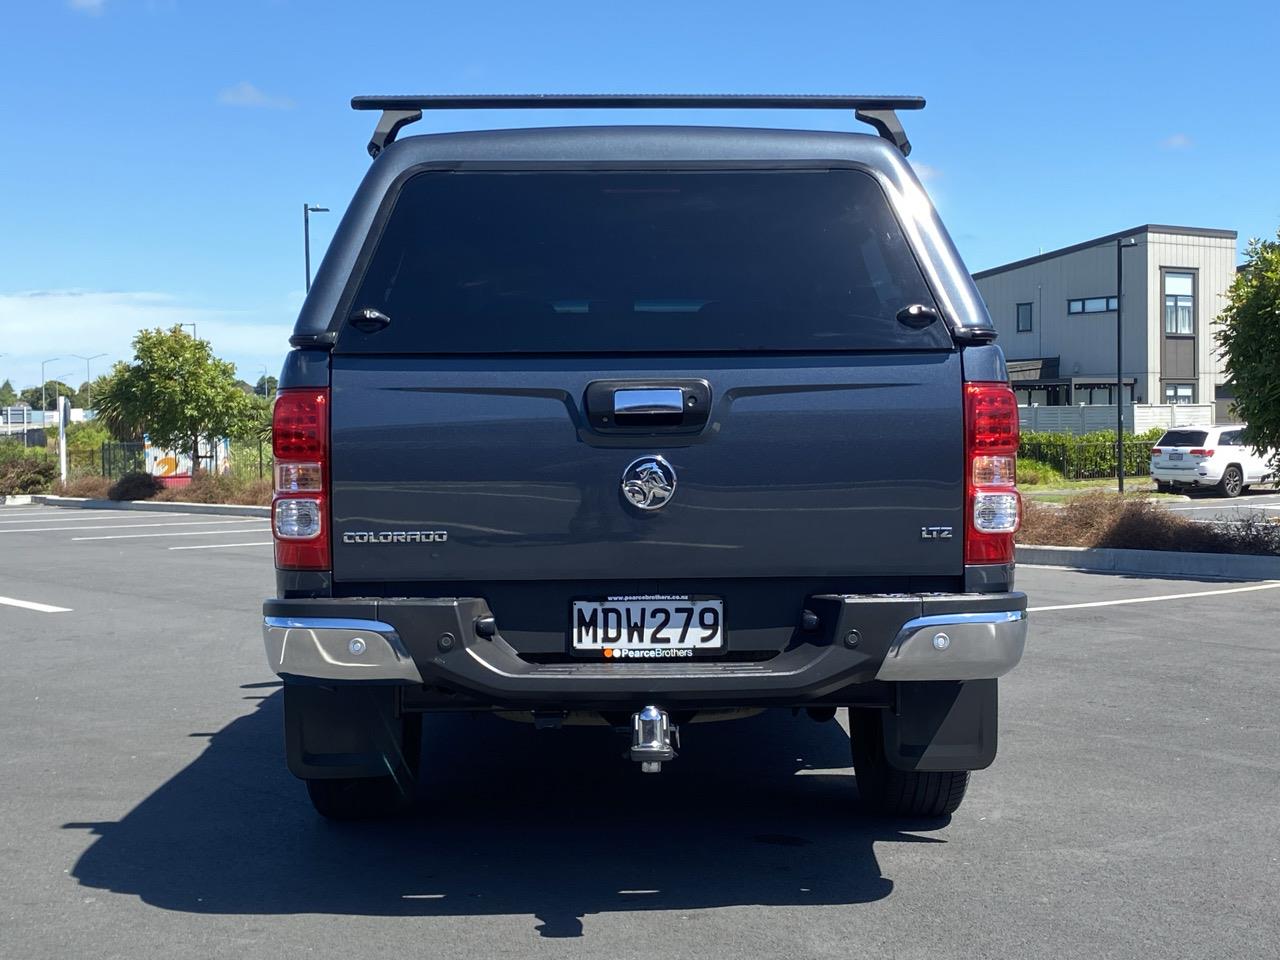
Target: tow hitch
point(653, 739)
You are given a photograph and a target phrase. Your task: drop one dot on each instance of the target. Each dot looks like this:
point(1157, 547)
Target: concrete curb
point(147, 506)
point(1154, 563)
point(15, 500)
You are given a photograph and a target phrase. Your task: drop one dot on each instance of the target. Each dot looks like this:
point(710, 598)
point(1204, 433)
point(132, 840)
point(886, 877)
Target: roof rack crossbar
point(399, 111)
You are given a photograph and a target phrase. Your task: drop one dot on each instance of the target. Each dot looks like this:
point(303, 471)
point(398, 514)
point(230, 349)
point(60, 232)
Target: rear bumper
point(1194, 475)
point(433, 645)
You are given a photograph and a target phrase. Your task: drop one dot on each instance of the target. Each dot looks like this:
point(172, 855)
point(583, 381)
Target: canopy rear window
point(638, 261)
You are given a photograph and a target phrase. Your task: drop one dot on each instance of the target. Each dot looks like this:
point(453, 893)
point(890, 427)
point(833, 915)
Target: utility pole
point(88, 378)
point(1121, 243)
point(43, 382)
point(307, 211)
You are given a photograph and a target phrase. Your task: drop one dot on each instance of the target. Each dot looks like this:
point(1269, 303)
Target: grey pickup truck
point(643, 425)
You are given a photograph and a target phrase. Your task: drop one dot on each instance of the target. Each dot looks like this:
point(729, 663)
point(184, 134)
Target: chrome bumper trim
point(970, 646)
point(321, 648)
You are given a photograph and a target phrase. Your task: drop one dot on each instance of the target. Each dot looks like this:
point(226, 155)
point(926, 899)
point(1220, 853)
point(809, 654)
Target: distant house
point(1056, 316)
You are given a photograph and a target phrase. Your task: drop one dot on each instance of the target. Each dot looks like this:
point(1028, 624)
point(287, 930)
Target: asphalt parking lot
point(1261, 503)
point(1133, 811)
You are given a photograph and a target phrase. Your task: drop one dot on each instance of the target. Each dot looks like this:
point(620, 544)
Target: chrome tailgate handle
point(647, 407)
point(648, 402)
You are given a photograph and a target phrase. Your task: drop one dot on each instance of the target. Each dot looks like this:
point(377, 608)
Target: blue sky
point(156, 153)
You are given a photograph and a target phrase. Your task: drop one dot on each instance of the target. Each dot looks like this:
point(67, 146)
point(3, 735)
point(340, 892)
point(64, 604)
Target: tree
point(87, 395)
point(86, 435)
point(1249, 336)
point(256, 426)
point(53, 389)
point(176, 391)
point(8, 396)
point(266, 386)
point(121, 427)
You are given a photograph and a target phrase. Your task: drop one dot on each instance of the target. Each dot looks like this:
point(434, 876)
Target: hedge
point(1090, 455)
point(32, 472)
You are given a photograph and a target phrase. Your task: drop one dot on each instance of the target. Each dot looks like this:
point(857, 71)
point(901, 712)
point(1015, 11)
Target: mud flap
point(942, 725)
point(344, 731)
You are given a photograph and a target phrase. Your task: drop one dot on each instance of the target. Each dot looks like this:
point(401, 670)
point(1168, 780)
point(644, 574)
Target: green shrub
point(135, 486)
point(1034, 473)
point(12, 451)
point(33, 473)
point(1089, 455)
point(245, 464)
point(87, 435)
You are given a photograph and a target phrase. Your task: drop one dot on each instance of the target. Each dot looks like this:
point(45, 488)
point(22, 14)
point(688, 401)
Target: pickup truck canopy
point(637, 147)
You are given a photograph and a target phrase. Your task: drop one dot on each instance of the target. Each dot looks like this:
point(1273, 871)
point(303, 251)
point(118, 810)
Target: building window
point(1024, 318)
point(1179, 304)
point(1093, 305)
point(1099, 394)
point(1179, 393)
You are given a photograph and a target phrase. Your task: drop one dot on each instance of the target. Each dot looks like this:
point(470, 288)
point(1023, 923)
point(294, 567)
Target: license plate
point(1175, 456)
point(647, 627)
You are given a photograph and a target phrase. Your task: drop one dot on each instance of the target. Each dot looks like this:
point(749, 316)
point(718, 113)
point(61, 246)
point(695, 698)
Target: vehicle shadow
point(510, 821)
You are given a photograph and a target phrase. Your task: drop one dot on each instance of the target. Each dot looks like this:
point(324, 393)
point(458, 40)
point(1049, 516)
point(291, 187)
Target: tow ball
point(653, 739)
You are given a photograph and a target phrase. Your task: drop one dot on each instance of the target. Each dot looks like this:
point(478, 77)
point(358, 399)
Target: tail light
point(1155, 451)
point(300, 507)
point(1202, 453)
point(993, 507)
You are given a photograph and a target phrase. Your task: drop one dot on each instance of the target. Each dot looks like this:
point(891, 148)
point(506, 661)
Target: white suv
point(1208, 457)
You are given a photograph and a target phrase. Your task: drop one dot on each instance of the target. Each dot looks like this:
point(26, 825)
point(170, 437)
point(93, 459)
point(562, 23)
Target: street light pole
point(1121, 243)
point(88, 378)
point(43, 381)
point(307, 211)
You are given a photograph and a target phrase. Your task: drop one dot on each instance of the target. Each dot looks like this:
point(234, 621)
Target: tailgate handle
point(648, 402)
point(647, 407)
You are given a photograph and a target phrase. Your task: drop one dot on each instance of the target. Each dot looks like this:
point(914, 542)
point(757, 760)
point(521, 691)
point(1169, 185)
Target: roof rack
point(399, 111)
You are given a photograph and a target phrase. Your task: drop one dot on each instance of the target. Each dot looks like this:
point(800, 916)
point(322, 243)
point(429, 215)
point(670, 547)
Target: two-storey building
point(1056, 316)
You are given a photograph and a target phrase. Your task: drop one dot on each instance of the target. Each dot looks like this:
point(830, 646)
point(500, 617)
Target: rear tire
point(1163, 487)
point(886, 791)
point(373, 798)
point(1232, 483)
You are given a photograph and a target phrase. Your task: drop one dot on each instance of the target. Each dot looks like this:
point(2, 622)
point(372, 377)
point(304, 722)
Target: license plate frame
point(635, 630)
point(1176, 456)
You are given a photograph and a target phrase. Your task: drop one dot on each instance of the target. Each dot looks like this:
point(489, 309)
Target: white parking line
point(31, 605)
point(128, 526)
point(1269, 585)
point(185, 533)
point(55, 512)
point(219, 546)
point(83, 518)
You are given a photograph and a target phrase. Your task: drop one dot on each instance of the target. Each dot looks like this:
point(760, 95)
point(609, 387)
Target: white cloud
point(1177, 141)
point(245, 94)
point(39, 325)
point(87, 6)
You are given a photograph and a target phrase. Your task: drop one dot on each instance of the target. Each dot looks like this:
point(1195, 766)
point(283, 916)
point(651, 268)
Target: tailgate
point(824, 465)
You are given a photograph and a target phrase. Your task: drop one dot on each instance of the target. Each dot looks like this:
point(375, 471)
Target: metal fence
point(117, 459)
point(1090, 460)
